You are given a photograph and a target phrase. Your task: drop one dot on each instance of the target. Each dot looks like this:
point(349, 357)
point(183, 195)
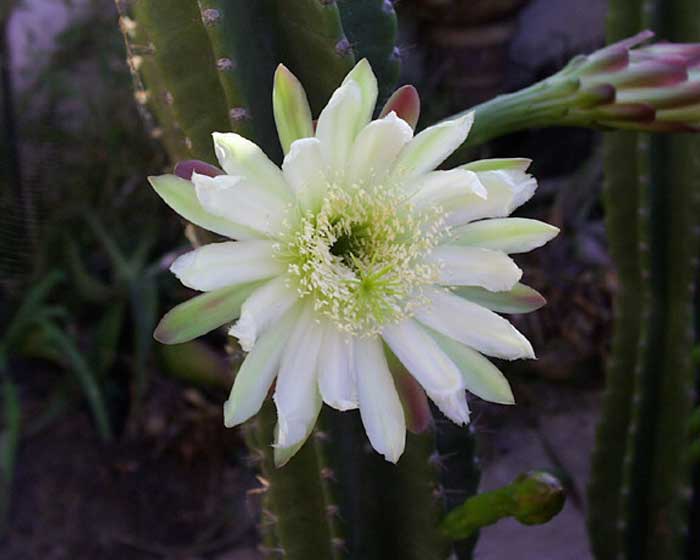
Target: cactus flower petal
point(519, 299)
point(337, 377)
point(455, 317)
point(240, 157)
point(235, 199)
point(509, 235)
point(262, 309)
point(218, 265)
point(451, 189)
point(185, 169)
point(365, 79)
point(258, 371)
point(376, 148)
point(475, 266)
point(296, 394)
point(304, 171)
point(423, 358)
point(454, 406)
point(432, 146)
point(290, 108)
point(202, 314)
point(506, 189)
point(380, 407)
point(479, 375)
point(405, 102)
point(337, 124)
point(181, 196)
point(355, 255)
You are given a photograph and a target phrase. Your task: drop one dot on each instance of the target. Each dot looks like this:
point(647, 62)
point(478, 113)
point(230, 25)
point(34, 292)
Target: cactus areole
point(356, 250)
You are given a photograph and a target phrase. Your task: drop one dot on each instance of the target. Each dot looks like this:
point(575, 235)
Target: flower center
point(361, 256)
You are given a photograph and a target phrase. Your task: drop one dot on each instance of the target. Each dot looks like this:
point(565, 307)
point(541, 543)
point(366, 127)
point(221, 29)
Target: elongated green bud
point(532, 498)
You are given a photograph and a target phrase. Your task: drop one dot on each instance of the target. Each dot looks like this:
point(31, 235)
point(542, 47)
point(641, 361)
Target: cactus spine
point(640, 473)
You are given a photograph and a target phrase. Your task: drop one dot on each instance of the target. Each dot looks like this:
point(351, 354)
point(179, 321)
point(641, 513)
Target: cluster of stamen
point(360, 257)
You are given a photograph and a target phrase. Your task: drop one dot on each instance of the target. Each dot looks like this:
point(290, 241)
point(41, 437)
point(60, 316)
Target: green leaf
point(9, 442)
point(85, 376)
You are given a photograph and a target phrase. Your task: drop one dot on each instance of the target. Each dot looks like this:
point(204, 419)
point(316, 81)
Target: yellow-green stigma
point(360, 257)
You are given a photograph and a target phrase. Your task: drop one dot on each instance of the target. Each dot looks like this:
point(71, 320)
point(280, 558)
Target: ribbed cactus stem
point(183, 55)
point(149, 90)
point(371, 28)
point(310, 48)
point(387, 511)
point(639, 483)
point(299, 513)
point(225, 36)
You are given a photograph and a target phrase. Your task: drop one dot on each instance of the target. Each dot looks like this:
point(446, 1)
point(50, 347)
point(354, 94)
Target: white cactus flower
point(354, 254)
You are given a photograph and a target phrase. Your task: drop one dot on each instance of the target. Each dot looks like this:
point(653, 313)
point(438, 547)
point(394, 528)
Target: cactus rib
point(186, 63)
point(371, 27)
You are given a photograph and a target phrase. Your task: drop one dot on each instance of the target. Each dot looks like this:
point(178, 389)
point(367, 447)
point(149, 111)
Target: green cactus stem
point(310, 48)
point(532, 498)
point(181, 50)
point(387, 511)
point(299, 513)
point(246, 56)
point(371, 29)
point(621, 195)
point(652, 183)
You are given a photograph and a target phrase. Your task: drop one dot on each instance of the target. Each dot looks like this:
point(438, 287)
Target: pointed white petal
point(506, 190)
point(336, 370)
point(180, 195)
point(519, 299)
point(454, 406)
point(423, 358)
point(303, 169)
point(218, 265)
point(291, 108)
point(450, 190)
point(510, 235)
point(432, 146)
point(241, 202)
point(365, 79)
point(282, 455)
point(380, 407)
point(473, 325)
point(474, 266)
point(495, 164)
point(480, 376)
point(296, 395)
point(376, 147)
point(240, 157)
point(262, 310)
point(336, 128)
point(258, 371)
